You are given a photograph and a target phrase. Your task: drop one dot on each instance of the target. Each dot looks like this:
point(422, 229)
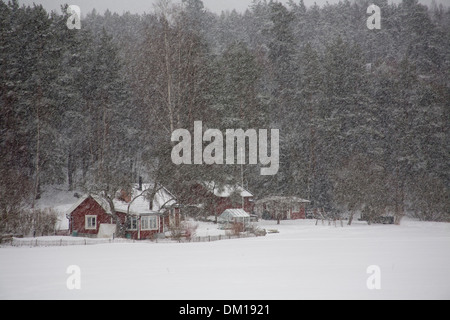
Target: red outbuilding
point(282, 208)
point(215, 198)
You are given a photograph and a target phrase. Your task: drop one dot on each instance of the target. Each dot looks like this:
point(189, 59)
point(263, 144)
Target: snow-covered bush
point(236, 229)
point(257, 231)
point(185, 229)
point(45, 221)
point(28, 222)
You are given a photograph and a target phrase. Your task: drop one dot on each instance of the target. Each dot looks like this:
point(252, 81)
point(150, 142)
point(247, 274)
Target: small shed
point(232, 216)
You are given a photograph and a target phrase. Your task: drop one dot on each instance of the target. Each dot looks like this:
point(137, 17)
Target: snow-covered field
point(302, 261)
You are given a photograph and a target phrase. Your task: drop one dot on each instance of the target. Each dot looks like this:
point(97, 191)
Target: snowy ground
point(303, 261)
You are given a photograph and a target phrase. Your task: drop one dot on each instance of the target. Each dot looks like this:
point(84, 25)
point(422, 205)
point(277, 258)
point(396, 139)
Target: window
point(149, 223)
point(90, 222)
point(132, 223)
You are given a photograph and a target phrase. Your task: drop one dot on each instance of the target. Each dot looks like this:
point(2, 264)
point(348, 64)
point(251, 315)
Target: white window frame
point(88, 222)
point(146, 223)
point(131, 218)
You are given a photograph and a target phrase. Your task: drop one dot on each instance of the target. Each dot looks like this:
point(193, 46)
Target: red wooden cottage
point(215, 199)
point(91, 215)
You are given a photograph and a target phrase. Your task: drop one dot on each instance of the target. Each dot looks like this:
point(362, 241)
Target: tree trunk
point(169, 81)
point(70, 171)
point(36, 195)
point(120, 227)
point(350, 219)
point(399, 204)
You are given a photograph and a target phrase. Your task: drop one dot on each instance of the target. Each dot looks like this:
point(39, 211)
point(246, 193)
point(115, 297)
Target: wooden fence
point(37, 242)
point(71, 241)
point(217, 238)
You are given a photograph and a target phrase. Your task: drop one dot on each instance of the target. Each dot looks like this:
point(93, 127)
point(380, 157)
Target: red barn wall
point(150, 234)
point(222, 204)
point(145, 235)
point(299, 215)
point(217, 205)
point(88, 207)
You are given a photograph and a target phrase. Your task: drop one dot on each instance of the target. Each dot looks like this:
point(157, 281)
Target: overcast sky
point(140, 6)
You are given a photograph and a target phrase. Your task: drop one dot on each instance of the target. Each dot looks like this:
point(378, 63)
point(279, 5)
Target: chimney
point(140, 184)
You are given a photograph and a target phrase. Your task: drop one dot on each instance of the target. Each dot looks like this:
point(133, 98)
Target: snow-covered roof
point(226, 191)
point(282, 199)
point(102, 202)
point(139, 206)
point(234, 213)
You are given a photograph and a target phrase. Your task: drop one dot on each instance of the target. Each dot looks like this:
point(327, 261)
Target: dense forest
point(363, 114)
